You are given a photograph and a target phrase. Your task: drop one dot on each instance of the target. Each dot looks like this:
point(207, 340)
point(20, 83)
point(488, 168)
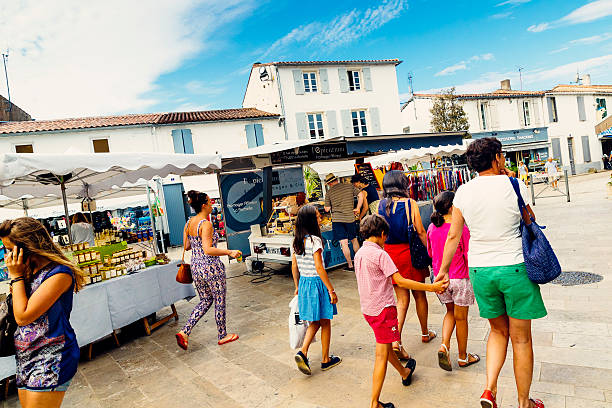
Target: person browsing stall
point(81, 230)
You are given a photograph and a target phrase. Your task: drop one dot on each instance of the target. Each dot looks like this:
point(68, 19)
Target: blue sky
point(112, 57)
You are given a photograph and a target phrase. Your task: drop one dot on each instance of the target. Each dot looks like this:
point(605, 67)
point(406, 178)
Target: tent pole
point(152, 221)
point(160, 192)
point(65, 200)
point(25, 206)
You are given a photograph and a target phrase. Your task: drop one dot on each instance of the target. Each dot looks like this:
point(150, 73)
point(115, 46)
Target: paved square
point(573, 366)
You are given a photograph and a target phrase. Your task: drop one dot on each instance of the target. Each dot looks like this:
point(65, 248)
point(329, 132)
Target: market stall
point(259, 222)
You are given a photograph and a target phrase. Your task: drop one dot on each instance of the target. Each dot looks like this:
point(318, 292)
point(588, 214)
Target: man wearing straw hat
point(340, 199)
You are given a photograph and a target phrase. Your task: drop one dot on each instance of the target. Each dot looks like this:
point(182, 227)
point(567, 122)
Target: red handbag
point(184, 270)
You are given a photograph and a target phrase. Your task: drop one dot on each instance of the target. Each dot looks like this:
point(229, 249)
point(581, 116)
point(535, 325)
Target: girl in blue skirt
point(316, 297)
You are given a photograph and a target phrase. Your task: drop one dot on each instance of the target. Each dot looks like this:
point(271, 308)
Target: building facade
point(567, 114)
point(326, 99)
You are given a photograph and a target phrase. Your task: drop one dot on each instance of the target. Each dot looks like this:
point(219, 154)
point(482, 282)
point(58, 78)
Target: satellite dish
point(263, 74)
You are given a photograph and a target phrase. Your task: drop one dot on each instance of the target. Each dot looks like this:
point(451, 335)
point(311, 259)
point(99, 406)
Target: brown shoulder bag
point(184, 270)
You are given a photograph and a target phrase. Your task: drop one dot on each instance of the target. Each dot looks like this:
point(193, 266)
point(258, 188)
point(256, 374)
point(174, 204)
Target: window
point(552, 109)
point(100, 145)
point(354, 80)
point(483, 115)
point(310, 81)
point(182, 141)
point(601, 107)
point(359, 123)
point(26, 148)
point(315, 125)
point(526, 117)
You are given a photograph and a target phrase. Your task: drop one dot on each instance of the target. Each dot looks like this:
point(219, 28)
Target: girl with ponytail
point(459, 296)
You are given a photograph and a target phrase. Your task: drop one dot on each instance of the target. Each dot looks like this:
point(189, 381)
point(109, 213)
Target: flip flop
point(181, 341)
point(229, 339)
point(444, 360)
point(431, 334)
point(399, 352)
point(411, 364)
point(467, 362)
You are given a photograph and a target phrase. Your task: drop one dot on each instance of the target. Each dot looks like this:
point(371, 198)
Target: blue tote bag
point(540, 260)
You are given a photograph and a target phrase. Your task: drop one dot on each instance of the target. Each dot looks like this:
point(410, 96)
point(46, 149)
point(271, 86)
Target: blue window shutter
point(332, 124)
point(250, 135)
point(551, 115)
point(367, 78)
point(586, 149)
point(374, 121)
point(556, 149)
point(581, 110)
point(177, 140)
point(302, 125)
point(324, 81)
point(347, 122)
point(259, 137)
point(187, 141)
point(298, 80)
point(343, 78)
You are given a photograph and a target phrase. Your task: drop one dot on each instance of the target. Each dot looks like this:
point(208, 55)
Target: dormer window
point(354, 80)
point(310, 81)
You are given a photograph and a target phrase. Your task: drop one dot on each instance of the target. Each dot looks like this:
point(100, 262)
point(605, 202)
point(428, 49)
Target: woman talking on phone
point(43, 281)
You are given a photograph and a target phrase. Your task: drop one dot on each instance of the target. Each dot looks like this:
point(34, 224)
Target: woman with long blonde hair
point(43, 281)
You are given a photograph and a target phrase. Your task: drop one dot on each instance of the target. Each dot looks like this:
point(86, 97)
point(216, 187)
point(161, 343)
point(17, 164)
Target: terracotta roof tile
point(583, 88)
point(135, 119)
point(500, 93)
point(339, 62)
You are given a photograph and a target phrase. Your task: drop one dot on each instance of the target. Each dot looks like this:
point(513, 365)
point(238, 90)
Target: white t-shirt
point(490, 208)
point(550, 167)
point(305, 262)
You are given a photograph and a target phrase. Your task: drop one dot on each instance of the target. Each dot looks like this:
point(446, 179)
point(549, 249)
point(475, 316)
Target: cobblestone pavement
point(573, 366)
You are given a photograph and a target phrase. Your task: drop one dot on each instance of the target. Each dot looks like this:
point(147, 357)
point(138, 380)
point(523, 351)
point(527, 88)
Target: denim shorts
point(60, 388)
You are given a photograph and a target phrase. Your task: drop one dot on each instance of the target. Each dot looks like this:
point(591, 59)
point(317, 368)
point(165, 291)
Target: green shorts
point(501, 290)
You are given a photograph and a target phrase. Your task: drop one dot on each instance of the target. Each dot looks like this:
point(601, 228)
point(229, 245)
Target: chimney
point(586, 79)
point(505, 85)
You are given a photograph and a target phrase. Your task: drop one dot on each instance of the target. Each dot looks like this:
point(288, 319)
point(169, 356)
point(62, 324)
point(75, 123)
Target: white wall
point(208, 138)
point(263, 95)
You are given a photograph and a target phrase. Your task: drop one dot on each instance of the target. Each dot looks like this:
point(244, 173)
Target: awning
point(525, 146)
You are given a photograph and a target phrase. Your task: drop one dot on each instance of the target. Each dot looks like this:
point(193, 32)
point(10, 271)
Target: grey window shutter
point(259, 137)
point(581, 111)
point(586, 149)
point(534, 112)
point(367, 78)
point(551, 115)
point(250, 136)
point(177, 140)
point(332, 124)
point(302, 125)
point(347, 122)
point(324, 82)
point(343, 78)
point(374, 121)
point(298, 81)
point(556, 149)
point(187, 141)
point(521, 112)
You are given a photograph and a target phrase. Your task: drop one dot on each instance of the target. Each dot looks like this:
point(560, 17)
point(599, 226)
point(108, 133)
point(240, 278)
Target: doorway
point(570, 148)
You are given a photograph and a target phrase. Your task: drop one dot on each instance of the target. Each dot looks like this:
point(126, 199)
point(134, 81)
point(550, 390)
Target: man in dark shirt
point(369, 194)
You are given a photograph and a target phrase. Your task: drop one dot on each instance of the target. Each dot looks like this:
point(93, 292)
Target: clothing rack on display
point(425, 184)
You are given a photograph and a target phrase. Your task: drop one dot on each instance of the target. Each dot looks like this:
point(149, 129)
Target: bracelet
point(20, 278)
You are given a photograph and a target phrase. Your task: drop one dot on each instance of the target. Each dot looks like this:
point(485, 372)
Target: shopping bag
point(297, 327)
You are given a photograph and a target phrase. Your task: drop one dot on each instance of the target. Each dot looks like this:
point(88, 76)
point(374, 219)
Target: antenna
point(578, 79)
point(8, 90)
point(520, 71)
point(410, 76)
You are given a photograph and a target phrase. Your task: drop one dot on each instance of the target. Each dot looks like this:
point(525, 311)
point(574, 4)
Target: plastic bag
point(297, 327)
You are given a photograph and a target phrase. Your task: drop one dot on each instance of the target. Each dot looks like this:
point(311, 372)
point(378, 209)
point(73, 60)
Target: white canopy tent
point(78, 176)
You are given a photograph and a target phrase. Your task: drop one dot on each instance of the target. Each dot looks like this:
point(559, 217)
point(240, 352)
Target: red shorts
point(385, 325)
point(400, 254)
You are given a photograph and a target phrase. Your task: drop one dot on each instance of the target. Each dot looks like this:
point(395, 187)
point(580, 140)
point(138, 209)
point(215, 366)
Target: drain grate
point(573, 278)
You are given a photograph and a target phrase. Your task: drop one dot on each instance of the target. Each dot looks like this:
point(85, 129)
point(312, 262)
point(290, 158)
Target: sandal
point(537, 403)
point(386, 404)
point(228, 339)
point(401, 353)
point(411, 364)
point(431, 334)
point(467, 362)
point(444, 359)
point(487, 400)
point(181, 341)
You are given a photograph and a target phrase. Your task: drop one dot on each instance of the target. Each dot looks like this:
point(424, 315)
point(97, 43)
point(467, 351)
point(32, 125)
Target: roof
point(500, 93)
point(134, 119)
point(394, 61)
point(582, 89)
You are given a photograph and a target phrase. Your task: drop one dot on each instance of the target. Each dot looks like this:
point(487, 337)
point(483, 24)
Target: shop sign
point(366, 170)
point(315, 153)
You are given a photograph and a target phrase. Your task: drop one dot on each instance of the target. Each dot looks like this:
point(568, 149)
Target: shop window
point(25, 148)
point(310, 81)
point(354, 80)
point(315, 125)
point(359, 123)
point(100, 145)
point(526, 115)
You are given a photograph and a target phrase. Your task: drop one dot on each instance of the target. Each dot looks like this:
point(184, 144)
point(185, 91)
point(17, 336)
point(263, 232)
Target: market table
point(104, 307)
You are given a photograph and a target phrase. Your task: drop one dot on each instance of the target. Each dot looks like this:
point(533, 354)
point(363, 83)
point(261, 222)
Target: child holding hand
point(374, 269)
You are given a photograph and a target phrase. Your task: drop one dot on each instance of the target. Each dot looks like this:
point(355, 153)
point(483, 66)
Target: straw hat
point(330, 177)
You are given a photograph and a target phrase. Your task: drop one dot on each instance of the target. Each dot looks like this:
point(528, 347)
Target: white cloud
point(500, 16)
point(512, 3)
point(463, 65)
point(342, 30)
point(595, 39)
point(592, 11)
point(75, 58)
point(204, 88)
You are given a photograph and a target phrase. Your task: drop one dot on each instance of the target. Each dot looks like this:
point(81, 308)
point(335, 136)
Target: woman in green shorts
point(505, 295)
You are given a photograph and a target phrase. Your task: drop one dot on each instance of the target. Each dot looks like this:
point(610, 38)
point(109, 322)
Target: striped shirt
point(341, 199)
point(373, 268)
point(305, 262)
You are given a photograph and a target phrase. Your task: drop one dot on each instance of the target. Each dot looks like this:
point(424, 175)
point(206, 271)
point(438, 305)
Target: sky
point(72, 58)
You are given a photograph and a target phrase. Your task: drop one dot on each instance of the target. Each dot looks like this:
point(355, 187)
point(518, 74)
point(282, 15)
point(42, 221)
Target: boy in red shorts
point(374, 269)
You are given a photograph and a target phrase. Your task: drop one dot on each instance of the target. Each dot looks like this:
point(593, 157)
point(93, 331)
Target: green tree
point(447, 114)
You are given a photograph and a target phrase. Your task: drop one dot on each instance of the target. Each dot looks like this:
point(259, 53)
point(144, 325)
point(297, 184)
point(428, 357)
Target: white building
point(203, 132)
point(325, 99)
point(566, 114)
